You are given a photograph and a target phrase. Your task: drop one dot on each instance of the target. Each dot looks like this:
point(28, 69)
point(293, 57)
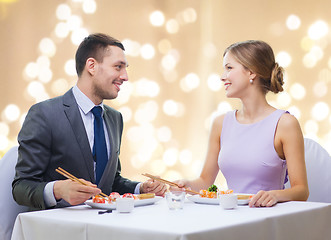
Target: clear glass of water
point(175, 200)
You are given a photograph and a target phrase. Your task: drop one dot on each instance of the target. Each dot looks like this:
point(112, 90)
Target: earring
point(251, 81)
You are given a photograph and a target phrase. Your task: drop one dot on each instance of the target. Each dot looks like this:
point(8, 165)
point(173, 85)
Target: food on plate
point(212, 188)
point(211, 192)
point(129, 195)
point(207, 194)
point(98, 199)
point(230, 191)
point(244, 197)
point(113, 196)
point(146, 195)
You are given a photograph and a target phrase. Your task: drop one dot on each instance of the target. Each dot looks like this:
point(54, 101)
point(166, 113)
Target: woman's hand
point(263, 199)
point(182, 185)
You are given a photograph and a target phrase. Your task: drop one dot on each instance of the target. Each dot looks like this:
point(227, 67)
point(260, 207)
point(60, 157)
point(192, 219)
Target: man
point(60, 132)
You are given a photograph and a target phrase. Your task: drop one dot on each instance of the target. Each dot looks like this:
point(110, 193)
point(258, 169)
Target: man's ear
point(91, 65)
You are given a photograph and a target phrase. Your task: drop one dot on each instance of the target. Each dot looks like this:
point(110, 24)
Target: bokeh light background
point(174, 49)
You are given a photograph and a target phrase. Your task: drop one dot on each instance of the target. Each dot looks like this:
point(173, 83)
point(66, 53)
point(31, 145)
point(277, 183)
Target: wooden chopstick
point(73, 178)
point(168, 182)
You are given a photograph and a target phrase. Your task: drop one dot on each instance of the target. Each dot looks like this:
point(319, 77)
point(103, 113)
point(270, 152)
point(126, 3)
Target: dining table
point(289, 220)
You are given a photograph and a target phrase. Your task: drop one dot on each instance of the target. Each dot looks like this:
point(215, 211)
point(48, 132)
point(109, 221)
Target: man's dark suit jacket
point(53, 135)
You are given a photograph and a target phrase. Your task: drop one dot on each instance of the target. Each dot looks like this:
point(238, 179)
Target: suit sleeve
point(33, 158)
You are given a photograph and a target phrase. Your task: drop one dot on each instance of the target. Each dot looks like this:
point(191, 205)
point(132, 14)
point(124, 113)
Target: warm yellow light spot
point(8, 1)
point(31, 70)
point(78, 34)
point(309, 60)
point(320, 111)
point(190, 82)
point(146, 112)
point(318, 30)
point(169, 61)
point(170, 156)
point(297, 91)
point(147, 51)
point(59, 86)
point(185, 156)
point(295, 111)
point(214, 82)
point(11, 112)
point(189, 15)
point(172, 26)
point(283, 99)
point(4, 129)
point(126, 113)
point(210, 50)
point(63, 12)
point(89, 6)
point(132, 48)
point(306, 44)
point(293, 22)
point(125, 94)
point(164, 134)
point(156, 18)
point(146, 88)
point(61, 30)
point(158, 167)
point(164, 46)
point(170, 107)
point(311, 127)
point(284, 59)
point(3, 142)
point(70, 67)
point(320, 89)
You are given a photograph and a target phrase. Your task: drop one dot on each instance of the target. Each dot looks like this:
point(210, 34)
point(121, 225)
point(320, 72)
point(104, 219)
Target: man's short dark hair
point(94, 46)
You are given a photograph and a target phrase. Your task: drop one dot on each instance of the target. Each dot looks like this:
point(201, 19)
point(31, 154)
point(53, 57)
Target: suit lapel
point(72, 112)
point(114, 147)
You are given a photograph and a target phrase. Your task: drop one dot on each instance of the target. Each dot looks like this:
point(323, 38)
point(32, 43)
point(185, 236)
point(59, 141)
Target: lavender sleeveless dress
point(248, 159)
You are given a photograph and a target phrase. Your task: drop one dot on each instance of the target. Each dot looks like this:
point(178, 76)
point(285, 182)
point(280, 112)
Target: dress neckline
point(251, 124)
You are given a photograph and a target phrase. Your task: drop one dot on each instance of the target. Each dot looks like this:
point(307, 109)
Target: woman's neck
point(254, 109)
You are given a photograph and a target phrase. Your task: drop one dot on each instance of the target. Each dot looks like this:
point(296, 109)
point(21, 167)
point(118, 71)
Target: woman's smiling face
point(235, 77)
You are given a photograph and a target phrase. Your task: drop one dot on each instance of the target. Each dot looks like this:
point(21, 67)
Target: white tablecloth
point(291, 220)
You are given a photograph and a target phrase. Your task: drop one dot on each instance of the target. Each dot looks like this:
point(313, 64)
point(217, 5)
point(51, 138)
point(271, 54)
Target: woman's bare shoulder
point(287, 121)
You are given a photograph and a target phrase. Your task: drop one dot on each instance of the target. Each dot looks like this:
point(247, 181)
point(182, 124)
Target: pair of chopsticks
point(168, 182)
point(73, 178)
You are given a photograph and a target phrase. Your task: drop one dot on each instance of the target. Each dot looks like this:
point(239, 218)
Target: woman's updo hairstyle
point(258, 57)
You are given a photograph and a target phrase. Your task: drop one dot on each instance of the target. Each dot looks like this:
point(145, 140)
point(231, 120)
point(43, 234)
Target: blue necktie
point(99, 147)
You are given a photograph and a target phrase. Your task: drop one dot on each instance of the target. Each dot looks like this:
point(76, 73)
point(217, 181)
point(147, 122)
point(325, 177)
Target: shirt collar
point(84, 103)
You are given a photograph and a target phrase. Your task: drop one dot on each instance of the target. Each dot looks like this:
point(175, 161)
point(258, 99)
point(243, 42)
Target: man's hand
point(73, 192)
point(152, 186)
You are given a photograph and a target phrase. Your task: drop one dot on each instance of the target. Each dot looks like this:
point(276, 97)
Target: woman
point(256, 146)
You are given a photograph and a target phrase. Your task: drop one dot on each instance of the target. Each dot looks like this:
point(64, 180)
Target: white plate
point(215, 201)
point(112, 206)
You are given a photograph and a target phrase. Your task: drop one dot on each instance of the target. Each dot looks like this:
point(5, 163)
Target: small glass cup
point(228, 201)
point(175, 200)
point(124, 205)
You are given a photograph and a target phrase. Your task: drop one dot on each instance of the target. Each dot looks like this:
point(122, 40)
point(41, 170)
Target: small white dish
point(124, 205)
point(228, 201)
